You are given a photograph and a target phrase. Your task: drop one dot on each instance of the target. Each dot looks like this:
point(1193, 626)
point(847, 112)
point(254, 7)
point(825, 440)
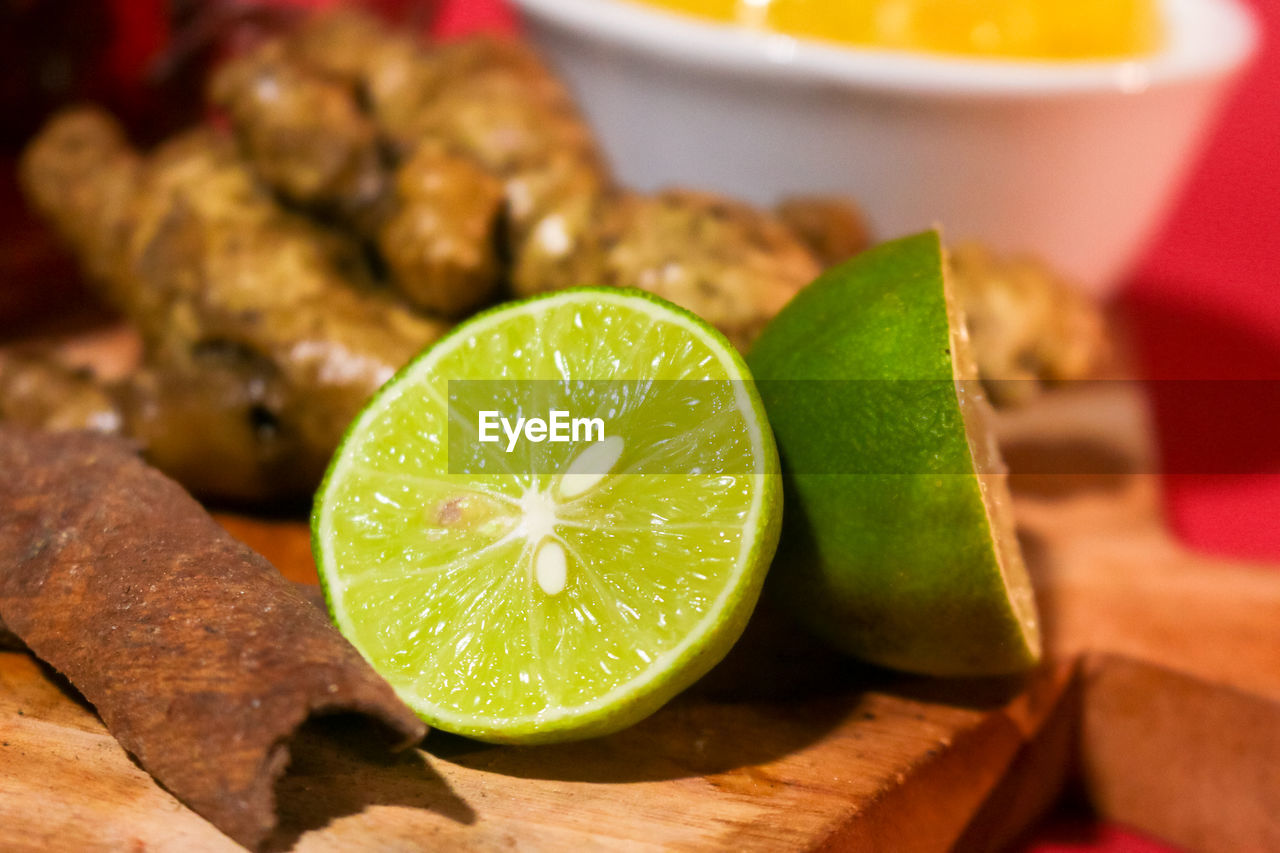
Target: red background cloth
point(1205, 304)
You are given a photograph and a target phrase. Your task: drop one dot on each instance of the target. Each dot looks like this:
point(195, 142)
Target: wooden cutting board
point(1161, 694)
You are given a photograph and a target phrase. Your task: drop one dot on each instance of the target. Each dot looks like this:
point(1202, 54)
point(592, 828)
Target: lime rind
point(685, 655)
point(918, 570)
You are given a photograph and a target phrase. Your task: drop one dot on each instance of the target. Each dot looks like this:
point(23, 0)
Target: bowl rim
point(1205, 39)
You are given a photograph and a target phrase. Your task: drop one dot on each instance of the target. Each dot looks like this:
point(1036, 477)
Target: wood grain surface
point(1177, 723)
point(1162, 698)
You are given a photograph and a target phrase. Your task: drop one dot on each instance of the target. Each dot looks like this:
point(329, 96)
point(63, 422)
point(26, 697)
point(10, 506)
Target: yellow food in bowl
point(1012, 29)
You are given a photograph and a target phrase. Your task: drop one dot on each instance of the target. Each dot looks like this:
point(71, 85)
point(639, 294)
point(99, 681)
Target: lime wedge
point(899, 545)
point(552, 592)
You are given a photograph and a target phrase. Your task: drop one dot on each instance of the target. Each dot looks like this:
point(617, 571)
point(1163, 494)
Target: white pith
point(989, 467)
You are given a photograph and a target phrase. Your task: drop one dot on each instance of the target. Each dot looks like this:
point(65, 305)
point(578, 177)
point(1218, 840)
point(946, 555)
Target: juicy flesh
point(518, 595)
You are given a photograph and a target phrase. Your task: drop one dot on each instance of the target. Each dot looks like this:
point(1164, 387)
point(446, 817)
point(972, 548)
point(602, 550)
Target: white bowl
point(1073, 160)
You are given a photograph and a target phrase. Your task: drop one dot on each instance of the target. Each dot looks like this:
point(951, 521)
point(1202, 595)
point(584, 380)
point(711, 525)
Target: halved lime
point(520, 596)
point(900, 545)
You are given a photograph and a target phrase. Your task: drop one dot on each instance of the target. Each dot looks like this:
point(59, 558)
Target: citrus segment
point(900, 545)
point(519, 602)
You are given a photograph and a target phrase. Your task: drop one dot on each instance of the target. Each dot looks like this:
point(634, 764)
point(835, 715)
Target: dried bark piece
point(200, 658)
point(9, 641)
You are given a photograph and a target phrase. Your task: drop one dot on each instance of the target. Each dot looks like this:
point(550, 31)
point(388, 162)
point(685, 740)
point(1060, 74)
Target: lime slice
point(899, 545)
point(529, 597)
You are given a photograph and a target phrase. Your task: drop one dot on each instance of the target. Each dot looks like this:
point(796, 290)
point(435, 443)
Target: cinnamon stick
point(201, 659)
